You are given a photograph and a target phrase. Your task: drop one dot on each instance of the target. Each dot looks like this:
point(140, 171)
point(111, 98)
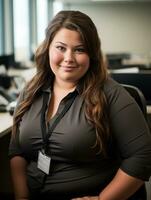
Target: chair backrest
point(138, 96)
point(140, 99)
point(140, 80)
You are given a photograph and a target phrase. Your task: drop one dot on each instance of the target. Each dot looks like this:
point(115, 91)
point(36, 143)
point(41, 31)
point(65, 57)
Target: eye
point(80, 50)
point(61, 48)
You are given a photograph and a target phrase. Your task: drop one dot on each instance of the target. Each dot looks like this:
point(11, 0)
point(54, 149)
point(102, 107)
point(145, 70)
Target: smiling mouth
point(70, 67)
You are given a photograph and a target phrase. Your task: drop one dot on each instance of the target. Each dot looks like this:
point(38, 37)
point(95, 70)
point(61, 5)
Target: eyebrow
point(79, 45)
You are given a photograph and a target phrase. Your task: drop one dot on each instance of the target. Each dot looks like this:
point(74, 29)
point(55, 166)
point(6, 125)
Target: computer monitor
point(7, 60)
point(115, 60)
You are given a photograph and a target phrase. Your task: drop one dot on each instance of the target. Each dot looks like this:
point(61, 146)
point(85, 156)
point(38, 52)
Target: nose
point(69, 56)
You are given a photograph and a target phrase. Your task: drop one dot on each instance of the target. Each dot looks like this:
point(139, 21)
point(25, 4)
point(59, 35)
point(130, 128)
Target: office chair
point(140, 100)
point(140, 80)
point(138, 96)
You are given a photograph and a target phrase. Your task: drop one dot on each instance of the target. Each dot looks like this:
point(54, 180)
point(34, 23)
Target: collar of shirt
point(48, 88)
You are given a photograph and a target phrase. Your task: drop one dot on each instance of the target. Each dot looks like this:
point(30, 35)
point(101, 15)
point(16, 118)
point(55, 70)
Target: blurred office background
point(124, 27)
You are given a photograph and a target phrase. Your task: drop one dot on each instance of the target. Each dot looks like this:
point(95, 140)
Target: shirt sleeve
point(131, 134)
point(14, 147)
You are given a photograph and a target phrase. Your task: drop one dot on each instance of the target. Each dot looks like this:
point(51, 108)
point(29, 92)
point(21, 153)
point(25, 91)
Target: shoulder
point(110, 85)
point(113, 89)
point(117, 96)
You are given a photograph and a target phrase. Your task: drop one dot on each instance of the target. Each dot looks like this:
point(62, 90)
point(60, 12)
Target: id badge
point(43, 162)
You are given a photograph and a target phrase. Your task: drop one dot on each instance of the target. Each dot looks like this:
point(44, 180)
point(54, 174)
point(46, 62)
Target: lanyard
point(45, 135)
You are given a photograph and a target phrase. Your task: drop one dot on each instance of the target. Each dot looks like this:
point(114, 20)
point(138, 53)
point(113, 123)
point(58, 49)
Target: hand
point(87, 198)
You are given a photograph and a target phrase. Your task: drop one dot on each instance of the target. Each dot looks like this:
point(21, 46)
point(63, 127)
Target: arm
point(121, 187)
point(18, 163)
point(133, 142)
point(18, 170)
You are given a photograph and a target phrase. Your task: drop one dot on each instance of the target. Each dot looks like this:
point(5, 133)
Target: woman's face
point(68, 58)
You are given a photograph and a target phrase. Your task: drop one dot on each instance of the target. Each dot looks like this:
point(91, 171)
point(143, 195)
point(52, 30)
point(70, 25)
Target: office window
point(6, 27)
point(42, 19)
point(33, 26)
point(21, 29)
point(1, 27)
point(57, 6)
point(50, 9)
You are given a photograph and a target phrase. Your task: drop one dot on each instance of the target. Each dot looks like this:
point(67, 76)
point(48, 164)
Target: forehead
point(66, 35)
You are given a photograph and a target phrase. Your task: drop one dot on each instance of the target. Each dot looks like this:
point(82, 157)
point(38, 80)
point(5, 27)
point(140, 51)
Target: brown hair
point(92, 82)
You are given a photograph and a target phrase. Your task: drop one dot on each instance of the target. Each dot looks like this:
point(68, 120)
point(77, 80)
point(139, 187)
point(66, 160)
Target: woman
point(77, 134)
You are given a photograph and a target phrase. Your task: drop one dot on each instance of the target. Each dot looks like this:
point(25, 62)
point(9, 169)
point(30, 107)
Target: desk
point(6, 122)
point(6, 188)
point(27, 74)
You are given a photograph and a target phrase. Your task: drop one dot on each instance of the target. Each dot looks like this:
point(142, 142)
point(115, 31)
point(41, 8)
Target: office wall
point(123, 27)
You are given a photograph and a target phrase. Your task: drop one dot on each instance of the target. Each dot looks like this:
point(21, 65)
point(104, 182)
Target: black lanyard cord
point(60, 116)
point(43, 120)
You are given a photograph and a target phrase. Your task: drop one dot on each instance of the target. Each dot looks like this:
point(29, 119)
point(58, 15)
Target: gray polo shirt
point(75, 165)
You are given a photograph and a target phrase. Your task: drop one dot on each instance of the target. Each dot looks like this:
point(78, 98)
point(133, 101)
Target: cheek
point(54, 58)
point(85, 62)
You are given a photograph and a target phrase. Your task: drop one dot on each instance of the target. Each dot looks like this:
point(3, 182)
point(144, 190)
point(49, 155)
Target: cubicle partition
point(6, 189)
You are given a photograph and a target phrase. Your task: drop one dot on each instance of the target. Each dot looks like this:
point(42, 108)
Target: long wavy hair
point(91, 83)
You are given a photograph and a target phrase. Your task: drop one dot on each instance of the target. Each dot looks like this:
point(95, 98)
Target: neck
point(64, 86)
